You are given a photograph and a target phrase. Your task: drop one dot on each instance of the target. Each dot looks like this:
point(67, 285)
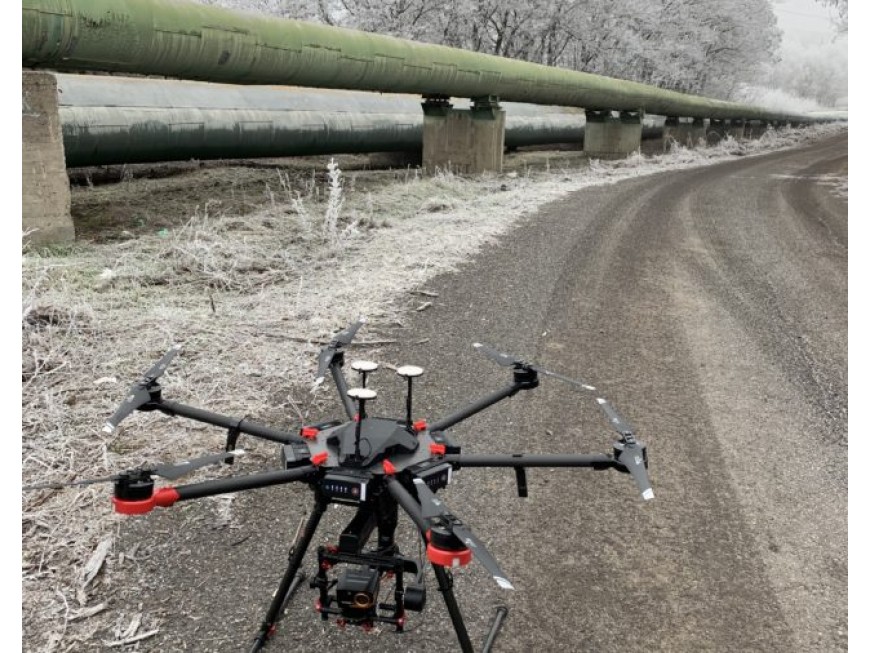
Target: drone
point(378, 465)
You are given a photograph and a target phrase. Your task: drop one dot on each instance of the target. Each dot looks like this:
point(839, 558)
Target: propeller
point(169, 471)
point(342, 339)
point(630, 453)
point(139, 393)
point(507, 360)
point(432, 507)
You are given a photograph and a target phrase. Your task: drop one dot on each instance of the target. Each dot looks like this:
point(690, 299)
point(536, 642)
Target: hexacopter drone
point(376, 465)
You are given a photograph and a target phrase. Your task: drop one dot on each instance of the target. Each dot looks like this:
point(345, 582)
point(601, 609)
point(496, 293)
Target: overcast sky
point(807, 23)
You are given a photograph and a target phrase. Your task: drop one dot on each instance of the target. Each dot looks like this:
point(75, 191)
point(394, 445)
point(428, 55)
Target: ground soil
point(709, 305)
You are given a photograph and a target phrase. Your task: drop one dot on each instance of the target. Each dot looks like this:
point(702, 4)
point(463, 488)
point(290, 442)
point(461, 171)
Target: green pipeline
point(191, 41)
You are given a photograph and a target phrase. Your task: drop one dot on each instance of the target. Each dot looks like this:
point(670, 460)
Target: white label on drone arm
point(648, 494)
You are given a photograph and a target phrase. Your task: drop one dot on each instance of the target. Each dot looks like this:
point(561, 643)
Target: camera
point(357, 592)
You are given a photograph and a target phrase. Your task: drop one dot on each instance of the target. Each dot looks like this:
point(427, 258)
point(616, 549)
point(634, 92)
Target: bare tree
point(842, 7)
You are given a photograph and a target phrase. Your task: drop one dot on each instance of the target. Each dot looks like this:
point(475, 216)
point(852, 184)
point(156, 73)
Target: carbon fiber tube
point(251, 428)
point(239, 483)
point(596, 461)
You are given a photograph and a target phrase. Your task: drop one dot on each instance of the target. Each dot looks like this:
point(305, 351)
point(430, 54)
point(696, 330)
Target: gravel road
point(710, 306)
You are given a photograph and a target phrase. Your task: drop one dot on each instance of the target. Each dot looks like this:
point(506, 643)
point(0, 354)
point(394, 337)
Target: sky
point(806, 22)
point(809, 34)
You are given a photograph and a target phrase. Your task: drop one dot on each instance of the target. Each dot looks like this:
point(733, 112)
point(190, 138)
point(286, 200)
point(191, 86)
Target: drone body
point(379, 466)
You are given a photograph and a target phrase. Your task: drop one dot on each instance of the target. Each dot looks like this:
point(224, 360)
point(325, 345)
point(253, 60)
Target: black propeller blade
point(173, 471)
point(631, 453)
point(506, 360)
point(139, 394)
point(616, 420)
point(433, 507)
point(60, 486)
point(342, 339)
point(169, 471)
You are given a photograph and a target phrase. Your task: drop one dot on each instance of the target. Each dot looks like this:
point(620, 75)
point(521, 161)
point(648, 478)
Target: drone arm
point(445, 580)
point(519, 460)
point(241, 425)
point(128, 499)
point(481, 404)
point(624, 461)
point(408, 503)
point(341, 386)
point(239, 483)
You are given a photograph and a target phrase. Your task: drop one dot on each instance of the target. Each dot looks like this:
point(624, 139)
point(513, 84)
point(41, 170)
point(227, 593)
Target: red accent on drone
point(319, 458)
point(389, 468)
point(437, 449)
point(419, 425)
point(164, 497)
point(447, 558)
point(133, 507)
point(309, 432)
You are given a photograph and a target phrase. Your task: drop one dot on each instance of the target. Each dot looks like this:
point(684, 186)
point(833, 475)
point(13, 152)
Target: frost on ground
point(252, 299)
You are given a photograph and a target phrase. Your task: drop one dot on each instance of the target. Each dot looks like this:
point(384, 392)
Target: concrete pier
point(467, 141)
point(45, 197)
point(737, 129)
point(688, 132)
point(612, 137)
point(717, 130)
point(756, 128)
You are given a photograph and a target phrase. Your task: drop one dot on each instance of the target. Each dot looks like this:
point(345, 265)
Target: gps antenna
point(409, 372)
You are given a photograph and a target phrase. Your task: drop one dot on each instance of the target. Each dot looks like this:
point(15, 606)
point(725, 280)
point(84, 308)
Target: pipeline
point(107, 120)
point(192, 41)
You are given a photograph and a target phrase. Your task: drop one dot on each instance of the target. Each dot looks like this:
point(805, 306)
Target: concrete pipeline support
point(45, 197)
point(686, 132)
point(610, 136)
point(463, 140)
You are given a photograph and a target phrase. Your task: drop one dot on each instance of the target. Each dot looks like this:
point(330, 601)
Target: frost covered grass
point(251, 299)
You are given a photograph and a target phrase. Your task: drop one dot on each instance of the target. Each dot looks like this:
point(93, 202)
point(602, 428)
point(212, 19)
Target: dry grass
point(250, 299)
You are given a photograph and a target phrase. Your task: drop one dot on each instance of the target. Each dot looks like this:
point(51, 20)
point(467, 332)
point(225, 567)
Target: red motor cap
point(437, 449)
point(447, 558)
point(309, 432)
point(164, 497)
point(319, 458)
point(419, 425)
point(389, 468)
point(125, 507)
